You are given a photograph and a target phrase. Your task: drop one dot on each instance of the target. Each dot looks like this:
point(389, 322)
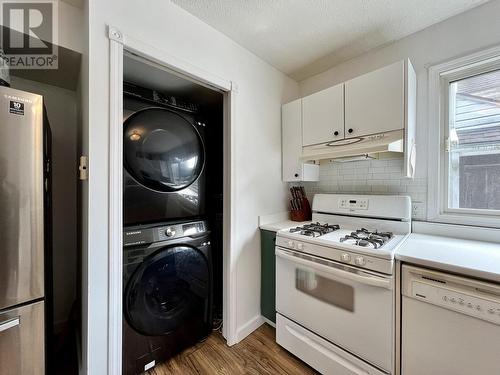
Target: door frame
point(119, 43)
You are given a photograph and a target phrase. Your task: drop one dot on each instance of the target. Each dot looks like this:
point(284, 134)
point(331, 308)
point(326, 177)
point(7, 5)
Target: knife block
point(304, 214)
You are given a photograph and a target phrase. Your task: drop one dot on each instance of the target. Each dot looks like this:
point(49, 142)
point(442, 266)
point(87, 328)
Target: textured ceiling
point(305, 37)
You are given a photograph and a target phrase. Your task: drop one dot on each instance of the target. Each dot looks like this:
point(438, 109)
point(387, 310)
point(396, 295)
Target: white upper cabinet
point(375, 102)
point(292, 168)
point(323, 116)
point(371, 114)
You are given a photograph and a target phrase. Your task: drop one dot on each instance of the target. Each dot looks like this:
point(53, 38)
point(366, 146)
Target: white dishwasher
point(450, 324)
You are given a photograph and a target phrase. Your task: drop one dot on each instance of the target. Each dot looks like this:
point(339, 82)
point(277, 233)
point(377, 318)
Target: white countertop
point(467, 257)
point(278, 221)
point(274, 227)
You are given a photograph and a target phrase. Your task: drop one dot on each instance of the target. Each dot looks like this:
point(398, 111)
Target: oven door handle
point(336, 270)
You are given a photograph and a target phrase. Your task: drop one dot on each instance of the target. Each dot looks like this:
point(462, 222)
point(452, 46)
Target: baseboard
point(249, 327)
point(272, 324)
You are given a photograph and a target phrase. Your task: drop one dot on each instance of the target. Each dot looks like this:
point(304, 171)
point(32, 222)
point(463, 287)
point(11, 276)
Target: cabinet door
point(323, 116)
point(268, 275)
point(375, 102)
point(291, 124)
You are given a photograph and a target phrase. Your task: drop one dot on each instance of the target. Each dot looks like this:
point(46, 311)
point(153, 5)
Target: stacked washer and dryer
point(167, 260)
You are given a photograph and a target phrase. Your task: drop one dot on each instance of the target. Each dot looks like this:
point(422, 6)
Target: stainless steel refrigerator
point(24, 222)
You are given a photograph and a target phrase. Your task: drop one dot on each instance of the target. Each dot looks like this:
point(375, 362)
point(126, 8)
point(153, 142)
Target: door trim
point(115, 223)
point(119, 43)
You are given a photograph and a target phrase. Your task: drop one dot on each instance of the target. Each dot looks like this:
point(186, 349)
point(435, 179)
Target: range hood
point(392, 141)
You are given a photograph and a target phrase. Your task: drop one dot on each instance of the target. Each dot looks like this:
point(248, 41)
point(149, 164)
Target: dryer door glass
point(162, 150)
point(171, 287)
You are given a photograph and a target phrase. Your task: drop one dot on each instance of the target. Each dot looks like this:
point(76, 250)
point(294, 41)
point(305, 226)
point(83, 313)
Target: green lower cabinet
point(268, 275)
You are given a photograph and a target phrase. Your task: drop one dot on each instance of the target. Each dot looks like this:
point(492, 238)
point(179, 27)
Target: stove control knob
point(300, 246)
point(345, 258)
point(360, 261)
point(170, 232)
point(291, 244)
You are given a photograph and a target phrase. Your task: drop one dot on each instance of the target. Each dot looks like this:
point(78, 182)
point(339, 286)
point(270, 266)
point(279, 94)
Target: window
point(464, 159)
point(473, 142)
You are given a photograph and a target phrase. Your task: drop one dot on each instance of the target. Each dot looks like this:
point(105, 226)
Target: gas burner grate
point(363, 242)
point(315, 229)
point(365, 238)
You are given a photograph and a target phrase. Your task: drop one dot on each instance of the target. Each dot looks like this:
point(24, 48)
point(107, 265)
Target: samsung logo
point(131, 233)
point(17, 98)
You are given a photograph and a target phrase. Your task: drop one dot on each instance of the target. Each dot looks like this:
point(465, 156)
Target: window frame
point(439, 79)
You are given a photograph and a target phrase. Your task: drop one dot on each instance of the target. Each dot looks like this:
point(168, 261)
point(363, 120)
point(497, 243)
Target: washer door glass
point(168, 288)
point(162, 150)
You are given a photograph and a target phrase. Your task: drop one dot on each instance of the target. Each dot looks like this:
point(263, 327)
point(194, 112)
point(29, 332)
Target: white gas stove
point(360, 230)
point(335, 283)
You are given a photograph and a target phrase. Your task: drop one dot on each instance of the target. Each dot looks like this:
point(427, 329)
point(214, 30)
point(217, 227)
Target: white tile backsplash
point(378, 176)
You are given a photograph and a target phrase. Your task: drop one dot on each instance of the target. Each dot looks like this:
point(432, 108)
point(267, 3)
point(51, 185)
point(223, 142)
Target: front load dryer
point(164, 163)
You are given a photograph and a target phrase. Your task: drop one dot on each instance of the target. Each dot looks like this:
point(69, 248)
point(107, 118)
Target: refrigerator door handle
point(4, 326)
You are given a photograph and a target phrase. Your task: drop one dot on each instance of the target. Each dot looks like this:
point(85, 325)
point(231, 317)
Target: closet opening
point(173, 212)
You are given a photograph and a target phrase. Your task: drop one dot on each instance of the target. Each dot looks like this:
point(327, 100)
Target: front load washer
point(164, 163)
point(167, 301)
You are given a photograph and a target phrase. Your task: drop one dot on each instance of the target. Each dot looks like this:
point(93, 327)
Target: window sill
point(483, 221)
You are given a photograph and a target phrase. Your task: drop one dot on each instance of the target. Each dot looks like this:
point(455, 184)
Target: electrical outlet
point(417, 210)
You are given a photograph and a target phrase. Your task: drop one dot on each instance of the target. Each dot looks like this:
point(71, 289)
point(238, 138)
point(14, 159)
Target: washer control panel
point(482, 308)
point(145, 235)
point(180, 230)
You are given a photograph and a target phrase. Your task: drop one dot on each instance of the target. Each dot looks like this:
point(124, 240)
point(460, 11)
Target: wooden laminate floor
point(256, 354)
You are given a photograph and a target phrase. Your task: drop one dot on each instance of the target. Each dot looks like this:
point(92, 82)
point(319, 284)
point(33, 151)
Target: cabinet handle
point(335, 133)
point(296, 175)
point(350, 130)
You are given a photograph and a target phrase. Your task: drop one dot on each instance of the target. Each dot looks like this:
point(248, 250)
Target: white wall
point(259, 189)
point(71, 27)
point(476, 29)
point(61, 107)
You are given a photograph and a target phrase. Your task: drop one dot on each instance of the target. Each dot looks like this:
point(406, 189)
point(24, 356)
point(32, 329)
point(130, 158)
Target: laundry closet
point(172, 212)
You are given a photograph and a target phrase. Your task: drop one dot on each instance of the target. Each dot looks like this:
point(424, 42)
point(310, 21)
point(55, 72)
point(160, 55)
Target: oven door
point(352, 308)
